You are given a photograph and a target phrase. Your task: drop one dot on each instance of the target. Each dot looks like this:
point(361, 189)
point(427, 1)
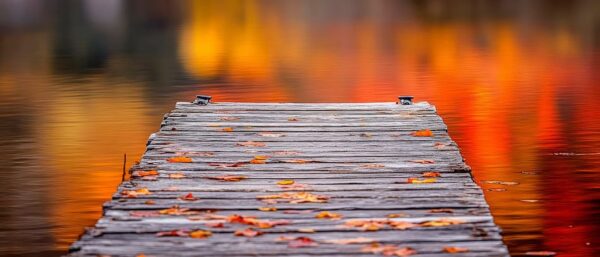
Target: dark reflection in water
point(82, 82)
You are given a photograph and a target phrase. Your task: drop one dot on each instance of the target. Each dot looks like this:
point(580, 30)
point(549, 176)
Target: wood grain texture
point(359, 157)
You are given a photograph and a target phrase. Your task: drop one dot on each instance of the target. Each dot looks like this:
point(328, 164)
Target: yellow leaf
point(328, 215)
point(267, 209)
point(420, 181)
point(285, 182)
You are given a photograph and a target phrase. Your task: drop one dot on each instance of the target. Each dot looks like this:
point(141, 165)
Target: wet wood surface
point(361, 159)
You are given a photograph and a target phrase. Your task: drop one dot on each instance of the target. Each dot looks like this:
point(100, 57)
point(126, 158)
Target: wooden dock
point(287, 179)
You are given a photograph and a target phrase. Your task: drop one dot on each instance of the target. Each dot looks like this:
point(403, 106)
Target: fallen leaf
point(365, 225)
point(420, 181)
point(431, 174)
point(200, 234)
point(252, 144)
point(142, 173)
point(227, 129)
point(293, 119)
point(248, 232)
point(188, 197)
point(302, 242)
point(150, 202)
point(285, 182)
point(423, 161)
point(365, 135)
point(181, 159)
point(441, 211)
point(296, 197)
point(266, 134)
point(136, 192)
point(422, 133)
point(397, 215)
point(441, 223)
point(540, 253)
point(259, 159)
point(377, 248)
point(454, 249)
point(295, 187)
point(229, 118)
point(439, 145)
point(328, 215)
point(175, 210)
point(215, 224)
point(306, 230)
point(228, 178)
point(267, 209)
point(177, 175)
point(401, 225)
point(373, 165)
point(358, 240)
point(405, 251)
point(172, 233)
point(497, 182)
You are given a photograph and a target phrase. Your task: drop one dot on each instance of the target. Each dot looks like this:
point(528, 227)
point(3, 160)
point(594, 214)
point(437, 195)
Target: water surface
point(517, 82)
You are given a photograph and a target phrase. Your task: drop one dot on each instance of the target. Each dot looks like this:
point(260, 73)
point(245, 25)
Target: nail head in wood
point(405, 100)
point(202, 99)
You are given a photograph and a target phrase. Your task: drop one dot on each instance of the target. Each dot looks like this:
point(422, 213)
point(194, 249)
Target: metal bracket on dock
point(405, 100)
point(202, 99)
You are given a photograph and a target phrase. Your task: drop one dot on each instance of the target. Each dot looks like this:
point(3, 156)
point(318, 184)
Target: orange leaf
point(302, 242)
point(200, 234)
point(431, 174)
point(422, 133)
point(175, 210)
point(177, 175)
point(188, 197)
point(228, 178)
point(454, 249)
point(249, 232)
point(227, 129)
point(135, 193)
point(251, 143)
point(172, 233)
point(179, 159)
point(150, 202)
point(328, 215)
point(405, 251)
point(142, 173)
point(285, 182)
point(401, 225)
point(259, 159)
point(365, 225)
point(420, 181)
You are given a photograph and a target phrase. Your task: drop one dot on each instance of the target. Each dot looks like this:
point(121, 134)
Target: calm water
point(518, 82)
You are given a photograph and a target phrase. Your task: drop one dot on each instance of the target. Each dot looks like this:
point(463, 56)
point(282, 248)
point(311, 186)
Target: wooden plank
point(358, 158)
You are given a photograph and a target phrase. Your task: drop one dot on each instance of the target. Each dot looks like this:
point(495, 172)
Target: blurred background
point(517, 82)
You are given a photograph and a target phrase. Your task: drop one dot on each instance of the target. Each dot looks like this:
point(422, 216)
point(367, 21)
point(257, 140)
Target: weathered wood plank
point(357, 157)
